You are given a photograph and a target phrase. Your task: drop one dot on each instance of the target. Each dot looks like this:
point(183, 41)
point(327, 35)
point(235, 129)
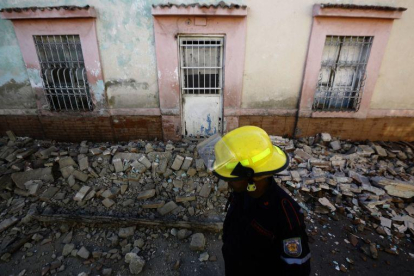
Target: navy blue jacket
point(265, 236)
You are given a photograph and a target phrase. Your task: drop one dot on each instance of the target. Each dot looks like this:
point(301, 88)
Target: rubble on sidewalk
point(369, 184)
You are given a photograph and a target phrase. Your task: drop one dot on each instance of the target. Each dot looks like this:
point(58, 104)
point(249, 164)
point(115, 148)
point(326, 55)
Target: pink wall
point(345, 22)
point(168, 23)
point(86, 29)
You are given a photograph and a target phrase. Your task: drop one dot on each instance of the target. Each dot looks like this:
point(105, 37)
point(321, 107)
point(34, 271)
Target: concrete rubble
point(370, 184)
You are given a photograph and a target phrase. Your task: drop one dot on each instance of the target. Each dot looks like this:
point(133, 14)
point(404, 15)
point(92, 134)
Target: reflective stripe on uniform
point(296, 261)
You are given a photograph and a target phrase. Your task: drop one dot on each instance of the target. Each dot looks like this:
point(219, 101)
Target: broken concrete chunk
point(153, 205)
point(49, 193)
point(66, 161)
point(83, 162)
point(365, 150)
point(80, 175)
point(335, 145)
point(178, 184)
point(326, 137)
point(44, 174)
point(399, 191)
point(372, 189)
point(67, 249)
point(183, 234)
point(410, 209)
point(44, 154)
point(198, 242)
point(380, 151)
point(95, 151)
point(187, 163)
point(136, 263)
point(222, 186)
point(117, 162)
point(200, 165)
point(185, 198)
point(146, 194)
point(67, 171)
point(191, 172)
point(8, 223)
point(90, 195)
point(178, 161)
point(394, 187)
point(26, 153)
point(205, 190)
point(325, 202)
point(126, 232)
point(140, 168)
point(83, 253)
point(107, 194)
point(71, 180)
point(386, 222)
point(144, 161)
point(302, 154)
point(82, 193)
point(167, 208)
point(108, 202)
point(295, 176)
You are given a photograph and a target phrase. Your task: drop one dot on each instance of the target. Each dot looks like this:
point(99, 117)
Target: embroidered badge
point(292, 247)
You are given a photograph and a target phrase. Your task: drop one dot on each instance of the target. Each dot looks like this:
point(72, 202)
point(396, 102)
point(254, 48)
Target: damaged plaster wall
point(276, 47)
point(126, 43)
point(15, 89)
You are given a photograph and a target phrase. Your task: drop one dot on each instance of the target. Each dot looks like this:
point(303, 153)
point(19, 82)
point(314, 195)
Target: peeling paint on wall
point(267, 102)
point(35, 78)
point(98, 90)
point(16, 95)
point(129, 82)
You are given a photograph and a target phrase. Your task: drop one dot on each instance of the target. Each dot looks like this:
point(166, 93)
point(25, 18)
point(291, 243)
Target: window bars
point(63, 72)
point(201, 65)
point(343, 73)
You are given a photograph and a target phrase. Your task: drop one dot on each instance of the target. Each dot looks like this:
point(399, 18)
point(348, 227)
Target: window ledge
point(329, 10)
point(48, 12)
point(338, 114)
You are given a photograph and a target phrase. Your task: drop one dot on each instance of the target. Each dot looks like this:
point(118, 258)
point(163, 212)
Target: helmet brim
point(275, 164)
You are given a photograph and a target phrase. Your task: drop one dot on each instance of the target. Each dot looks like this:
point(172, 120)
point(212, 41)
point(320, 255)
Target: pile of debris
point(372, 184)
point(166, 185)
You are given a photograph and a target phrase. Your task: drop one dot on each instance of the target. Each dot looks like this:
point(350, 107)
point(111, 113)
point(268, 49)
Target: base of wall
point(374, 129)
point(125, 128)
point(76, 129)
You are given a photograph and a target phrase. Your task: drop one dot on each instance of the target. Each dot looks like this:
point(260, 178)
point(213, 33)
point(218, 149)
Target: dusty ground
point(167, 251)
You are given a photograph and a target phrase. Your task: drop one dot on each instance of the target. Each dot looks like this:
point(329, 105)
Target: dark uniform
point(265, 236)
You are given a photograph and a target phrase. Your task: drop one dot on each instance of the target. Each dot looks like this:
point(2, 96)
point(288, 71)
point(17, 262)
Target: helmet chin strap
point(251, 187)
point(246, 172)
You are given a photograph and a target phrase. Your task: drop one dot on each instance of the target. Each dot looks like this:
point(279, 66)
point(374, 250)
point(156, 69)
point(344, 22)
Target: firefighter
point(264, 230)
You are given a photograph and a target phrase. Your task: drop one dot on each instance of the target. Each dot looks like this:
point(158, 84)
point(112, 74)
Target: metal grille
point(63, 72)
point(343, 73)
point(201, 65)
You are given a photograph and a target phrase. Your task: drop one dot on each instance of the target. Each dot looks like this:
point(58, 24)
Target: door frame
point(223, 36)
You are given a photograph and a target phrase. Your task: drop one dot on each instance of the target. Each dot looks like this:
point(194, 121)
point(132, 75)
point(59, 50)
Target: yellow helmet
point(251, 147)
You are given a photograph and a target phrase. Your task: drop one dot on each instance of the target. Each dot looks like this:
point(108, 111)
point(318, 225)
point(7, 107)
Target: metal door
point(201, 83)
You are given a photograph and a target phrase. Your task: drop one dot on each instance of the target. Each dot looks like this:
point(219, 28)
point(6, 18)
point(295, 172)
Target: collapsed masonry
point(143, 183)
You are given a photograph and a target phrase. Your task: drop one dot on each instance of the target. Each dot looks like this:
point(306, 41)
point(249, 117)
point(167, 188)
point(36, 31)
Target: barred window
point(201, 65)
point(63, 72)
point(343, 72)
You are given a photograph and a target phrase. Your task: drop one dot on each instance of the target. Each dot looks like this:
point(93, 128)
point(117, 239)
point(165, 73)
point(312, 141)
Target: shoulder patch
point(292, 247)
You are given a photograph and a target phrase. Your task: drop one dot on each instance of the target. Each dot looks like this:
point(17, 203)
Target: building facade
point(76, 70)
